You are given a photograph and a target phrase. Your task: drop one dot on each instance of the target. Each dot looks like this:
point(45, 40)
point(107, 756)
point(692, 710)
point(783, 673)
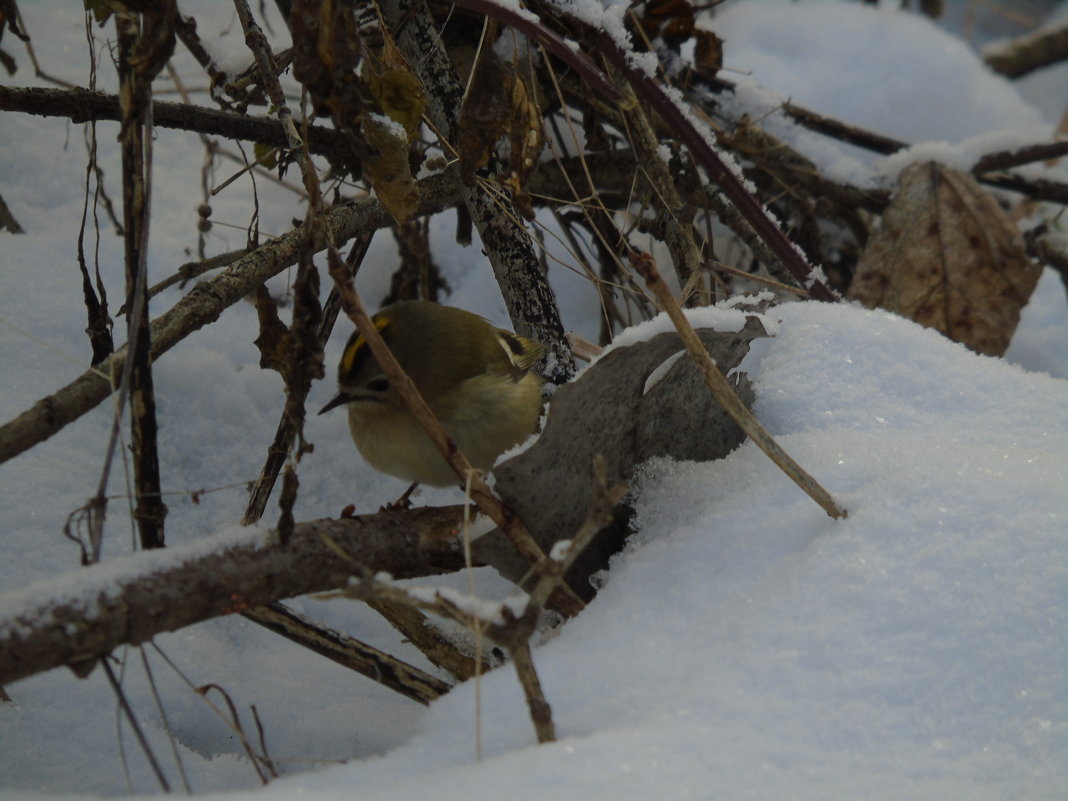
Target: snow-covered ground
point(744, 646)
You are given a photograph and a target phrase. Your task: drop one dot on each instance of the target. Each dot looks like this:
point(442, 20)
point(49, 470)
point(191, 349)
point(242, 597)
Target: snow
point(491, 612)
point(728, 316)
point(881, 68)
point(744, 646)
point(390, 125)
point(961, 155)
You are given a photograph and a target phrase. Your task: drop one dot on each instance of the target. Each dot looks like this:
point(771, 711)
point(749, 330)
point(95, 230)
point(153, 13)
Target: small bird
point(476, 378)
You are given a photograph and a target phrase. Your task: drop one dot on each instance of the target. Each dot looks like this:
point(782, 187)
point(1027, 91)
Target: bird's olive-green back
point(439, 346)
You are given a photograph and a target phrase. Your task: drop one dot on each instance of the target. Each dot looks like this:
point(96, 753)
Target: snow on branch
point(84, 614)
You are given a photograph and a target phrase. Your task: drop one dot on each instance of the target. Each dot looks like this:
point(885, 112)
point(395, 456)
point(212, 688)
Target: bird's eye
point(380, 384)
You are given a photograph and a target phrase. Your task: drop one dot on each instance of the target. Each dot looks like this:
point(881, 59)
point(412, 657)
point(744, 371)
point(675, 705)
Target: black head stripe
point(357, 352)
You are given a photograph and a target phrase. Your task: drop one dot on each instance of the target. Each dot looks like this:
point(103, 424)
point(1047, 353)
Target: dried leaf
point(102, 9)
point(947, 257)
point(326, 53)
point(707, 53)
point(266, 155)
point(526, 139)
point(400, 97)
point(389, 55)
point(274, 338)
point(497, 105)
point(486, 114)
point(387, 168)
point(670, 20)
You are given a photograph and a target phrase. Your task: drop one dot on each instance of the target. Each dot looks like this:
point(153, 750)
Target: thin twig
point(540, 712)
point(377, 665)
point(162, 710)
point(131, 718)
point(1016, 156)
point(191, 270)
point(263, 766)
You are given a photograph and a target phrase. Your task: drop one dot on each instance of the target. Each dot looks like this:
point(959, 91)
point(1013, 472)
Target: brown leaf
point(947, 257)
point(670, 20)
point(526, 139)
point(485, 115)
point(326, 54)
point(708, 52)
point(273, 341)
point(499, 104)
point(400, 96)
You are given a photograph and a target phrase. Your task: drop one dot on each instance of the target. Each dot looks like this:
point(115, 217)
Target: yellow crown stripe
point(348, 358)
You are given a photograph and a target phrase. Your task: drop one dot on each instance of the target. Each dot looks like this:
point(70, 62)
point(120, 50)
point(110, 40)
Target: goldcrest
point(475, 377)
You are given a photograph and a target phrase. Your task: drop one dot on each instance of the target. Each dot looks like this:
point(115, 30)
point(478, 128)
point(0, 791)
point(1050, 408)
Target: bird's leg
point(403, 502)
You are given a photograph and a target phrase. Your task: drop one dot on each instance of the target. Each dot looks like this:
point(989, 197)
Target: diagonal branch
point(351, 653)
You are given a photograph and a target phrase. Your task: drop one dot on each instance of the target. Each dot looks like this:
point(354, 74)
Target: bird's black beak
point(340, 399)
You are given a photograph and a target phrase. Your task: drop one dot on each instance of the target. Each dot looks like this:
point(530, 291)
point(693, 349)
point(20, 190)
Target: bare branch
point(1014, 157)
point(133, 598)
point(540, 712)
point(1024, 55)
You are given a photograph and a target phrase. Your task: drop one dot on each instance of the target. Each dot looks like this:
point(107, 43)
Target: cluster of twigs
point(660, 160)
